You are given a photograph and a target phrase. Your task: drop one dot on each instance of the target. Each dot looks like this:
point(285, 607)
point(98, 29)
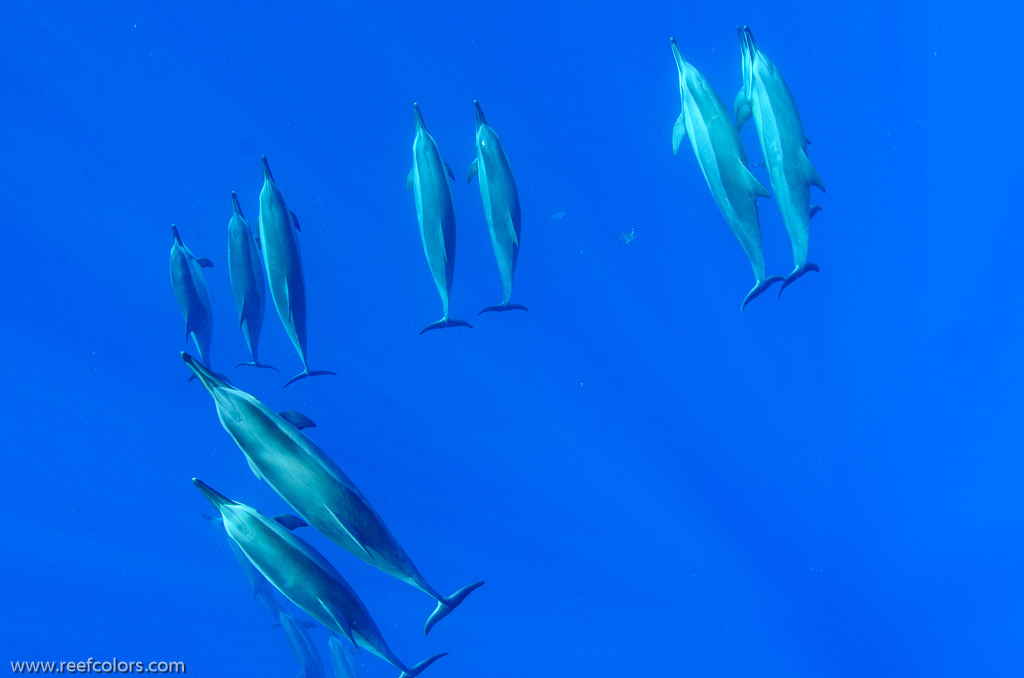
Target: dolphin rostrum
point(436, 216)
point(301, 644)
point(193, 298)
point(309, 480)
point(766, 98)
point(304, 577)
point(245, 266)
point(716, 143)
point(278, 229)
point(501, 205)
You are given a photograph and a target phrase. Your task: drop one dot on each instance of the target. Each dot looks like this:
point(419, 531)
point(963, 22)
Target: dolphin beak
point(235, 205)
point(215, 497)
point(203, 374)
point(680, 61)
point(174, 234)
point(480, 119)
point(751, 43)
point(419, 117)
point(266, 169)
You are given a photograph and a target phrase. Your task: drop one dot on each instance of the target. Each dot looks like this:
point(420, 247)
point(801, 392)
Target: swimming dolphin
point(301, 644)
point(278, 228)
point(436, 216)
point(716, 143)
point(310, 481)
point(304, 577)
point(341, 660)
point(245, 266)
point(193, 298)
point(501, 205)
point(766, 98)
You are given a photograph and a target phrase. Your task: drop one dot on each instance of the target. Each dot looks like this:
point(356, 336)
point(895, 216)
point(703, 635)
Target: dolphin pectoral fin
point(446, 606)
point(308, 373)
point(753, 184)
point(445, 322)
point(291, 522)
point(799, 272)
point(408, 180)
point(343, 526)
point(418, 668)
point(741, 109)
point(258, 364)
point(252, 467)
point(297, 419)
point(472, 171)
point(814, 210)
point(204, 263)
point(511, 228)
point(343, 625)
point(448, 169)
point(504, 307)
point(759, 288)
point(806, 140)
point(811, 174)
point(678, 132)
point(295, 221)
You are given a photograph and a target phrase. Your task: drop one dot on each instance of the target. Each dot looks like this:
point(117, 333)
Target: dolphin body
point(716, 143)
point(766, 98)
point(305, 577)
point(436, 216)
point(501, 205)
point(306, 654)
point(310, 481)
point(278, 227)
point(193, 298)
point(341, 660)
point(245, 267)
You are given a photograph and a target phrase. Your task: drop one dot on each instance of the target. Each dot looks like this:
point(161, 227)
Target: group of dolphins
point(765, 97)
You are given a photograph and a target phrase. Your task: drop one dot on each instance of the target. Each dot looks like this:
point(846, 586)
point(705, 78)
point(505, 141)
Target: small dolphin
point(766, 98)
point(341, 659)
point(245, 266)
point(278, 228)
point(193, 298)
point(309, 480)
point(304, 577)
point(436, 216)
point(716, 143)
point(501, 205)
point(303, 647)
point(626, 238)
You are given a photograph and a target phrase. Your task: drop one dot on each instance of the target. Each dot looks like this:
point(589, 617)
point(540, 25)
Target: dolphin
point(305, 577)
point(436, 216)
point(278, 228)
point(193, 298)
point(301, 644)
point(318, 490)
point(245, 267)
point(341, 660)
point(716, 143)
point(501, 205)
point(766, 98)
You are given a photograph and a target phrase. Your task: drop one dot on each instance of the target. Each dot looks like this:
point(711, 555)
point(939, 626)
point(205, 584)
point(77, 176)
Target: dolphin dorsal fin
point(290, 522)
point(295, 221)
point(448, 169)
point(297, 419)
point(204, 263)
point(812, 174)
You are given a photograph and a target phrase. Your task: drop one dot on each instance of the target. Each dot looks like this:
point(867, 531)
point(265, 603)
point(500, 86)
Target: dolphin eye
point(243, 529)
point(483, 142)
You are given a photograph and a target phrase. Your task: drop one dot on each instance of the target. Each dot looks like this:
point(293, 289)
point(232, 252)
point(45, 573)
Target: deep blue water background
point(649, 482)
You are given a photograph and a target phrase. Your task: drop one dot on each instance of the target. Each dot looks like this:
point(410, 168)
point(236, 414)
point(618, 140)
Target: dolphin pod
point(501, 205)
point(766, 98)
point(278, 229)
point(305, 577)
point(716, 143)
point(312, 484)
point(193, 298)
point(436, 216)
point(245, 268)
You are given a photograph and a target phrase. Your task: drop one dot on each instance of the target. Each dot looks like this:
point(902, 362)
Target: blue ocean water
point(648, 481)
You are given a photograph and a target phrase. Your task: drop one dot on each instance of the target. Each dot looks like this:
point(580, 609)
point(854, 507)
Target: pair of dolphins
point(436, 214)
point(319, 491)
point(766, 98)
point(277, 251)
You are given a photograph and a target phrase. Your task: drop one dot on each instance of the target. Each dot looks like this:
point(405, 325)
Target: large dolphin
point(278, 229)
point(436, 216)
point(716, 143)
point(245, 266)
point(766, 97)
point(306, 654)
point(341, 660)
point(501, 204)
point(193, 298)
point(304, 577)
point(310, 481)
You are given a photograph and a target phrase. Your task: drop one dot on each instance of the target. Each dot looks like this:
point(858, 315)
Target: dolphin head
point(480, 119)
point(680, 61)
point(218, 500)
point(420, 125)
point(234, 202)
point(267, 176)
point(203, 373)
point(756, 58)
point(746, 56)
point(237, 517)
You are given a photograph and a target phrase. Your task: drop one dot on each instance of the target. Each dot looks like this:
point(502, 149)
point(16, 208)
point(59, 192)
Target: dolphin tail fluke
point(256, 363)
point(759, 288)
point(307, 373)
point(446, 322)
point(797, 273)
point(418, 669)
point(504, 307)
point(445, 606)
